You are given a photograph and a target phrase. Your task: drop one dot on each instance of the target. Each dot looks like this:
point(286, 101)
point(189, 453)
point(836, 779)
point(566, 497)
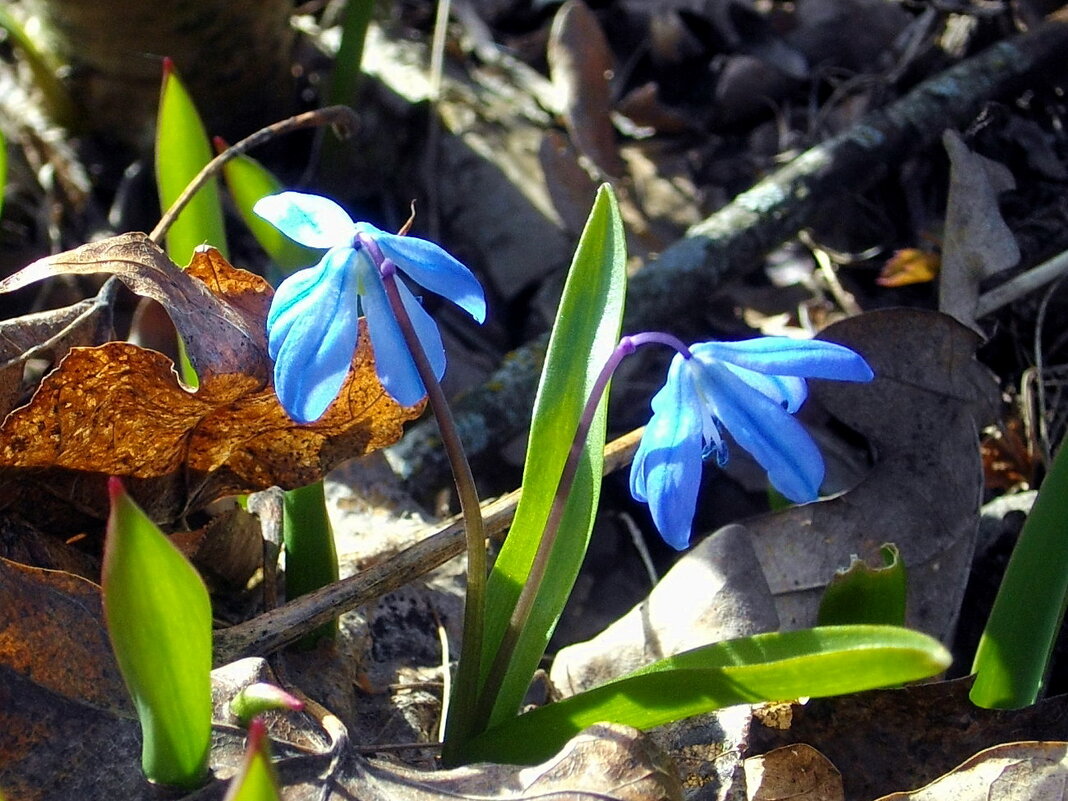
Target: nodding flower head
point(313, 321)
point(750, 389)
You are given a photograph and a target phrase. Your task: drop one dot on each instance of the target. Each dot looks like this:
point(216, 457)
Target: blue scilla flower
point(750, 389)
point(312, 323)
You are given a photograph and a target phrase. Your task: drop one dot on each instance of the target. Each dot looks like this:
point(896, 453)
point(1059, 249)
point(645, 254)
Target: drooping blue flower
point(750, 389)
point(312, 324)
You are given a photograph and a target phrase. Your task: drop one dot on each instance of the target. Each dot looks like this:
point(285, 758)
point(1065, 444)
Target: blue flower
point(751, 389)
point(312, 324)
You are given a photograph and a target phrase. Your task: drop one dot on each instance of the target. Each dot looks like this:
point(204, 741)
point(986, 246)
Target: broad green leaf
point(257, 780)
point(159, 619)
point(584, 335)
point(248, 182)
point(1016, 644)
point(182, 151)
point(864, 594)
point(779, 666)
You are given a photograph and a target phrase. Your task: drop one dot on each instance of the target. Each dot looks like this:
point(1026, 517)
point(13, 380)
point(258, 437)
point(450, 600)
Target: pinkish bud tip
point(257, 733)
point(115, 488)
point(168, 66)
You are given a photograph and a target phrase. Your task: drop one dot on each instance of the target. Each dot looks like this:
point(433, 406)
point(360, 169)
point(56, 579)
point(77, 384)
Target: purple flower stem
point(465, 694)
point(528, 595)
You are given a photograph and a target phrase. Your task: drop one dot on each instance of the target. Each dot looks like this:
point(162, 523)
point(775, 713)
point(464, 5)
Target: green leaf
point(584, 335)
point(1016, 645)
point(864, 594)
point(182, 151)
point(256, 780)
point(248, 182)
point(779, 666)
point(159, 619)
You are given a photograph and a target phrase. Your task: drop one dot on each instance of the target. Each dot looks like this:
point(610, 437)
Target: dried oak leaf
point(119, 409)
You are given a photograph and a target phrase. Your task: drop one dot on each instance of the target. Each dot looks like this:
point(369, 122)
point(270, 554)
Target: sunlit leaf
point(131, 417)
point(159, 620)
point(766, 667)
point(182, 151)
point(1014, 650)
point(584, 335)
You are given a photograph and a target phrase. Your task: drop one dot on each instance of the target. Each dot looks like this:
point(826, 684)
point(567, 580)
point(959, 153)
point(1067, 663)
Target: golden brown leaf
point(119, 409)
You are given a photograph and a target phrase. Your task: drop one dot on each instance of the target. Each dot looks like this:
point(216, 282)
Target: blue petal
point(311, 220)
point(786, 390)
point(312, 329)
point(393, 360)
point(784, 356)
point(432, 267)
point(666, 472)
point(771, 434)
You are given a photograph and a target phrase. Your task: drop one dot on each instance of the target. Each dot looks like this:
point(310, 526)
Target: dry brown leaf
point(910, 266)
point(48, 333)
point(581, 64)
point(793, 773)
point(978, 243)
point(52, 632)
point(884, 740)
point(215, 315)
point(1011, 772)
point(119, 409)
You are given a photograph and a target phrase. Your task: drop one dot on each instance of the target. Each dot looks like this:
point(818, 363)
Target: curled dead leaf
point(118, 409)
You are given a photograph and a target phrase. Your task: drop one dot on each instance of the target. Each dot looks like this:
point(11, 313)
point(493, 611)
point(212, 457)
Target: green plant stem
point(528, 595)
point(311, 556)
point(466, 691)
point(1014, 651)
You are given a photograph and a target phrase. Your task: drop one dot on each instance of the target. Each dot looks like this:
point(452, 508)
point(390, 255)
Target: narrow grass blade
point(348, 69)
point(1015, 648)
point(584, 335)
point(779, 666)
point(159, 619)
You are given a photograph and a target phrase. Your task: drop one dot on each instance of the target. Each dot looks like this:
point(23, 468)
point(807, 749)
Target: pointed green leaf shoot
point(257, 780)
point(780, 666)
point(159, 619)
point(584, 335)
point(260, 697)
point(182, 151)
